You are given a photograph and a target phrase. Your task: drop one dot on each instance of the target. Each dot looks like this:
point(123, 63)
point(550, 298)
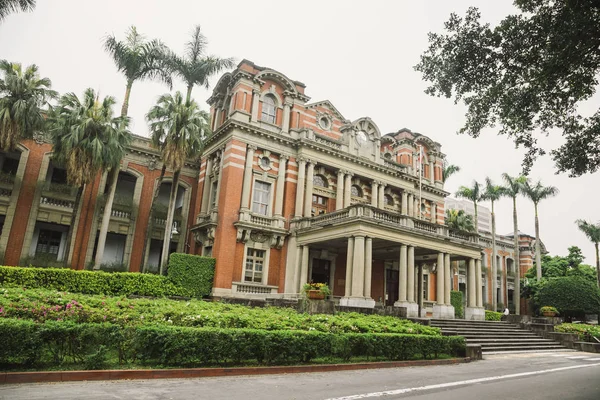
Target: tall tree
point(23, 95)
point(592, 231)
point(11, 6)
point(474, 194)
point(178, 128)
point(195, 67)
point(529, 72)
point(137, 59)
point(449, 170)
point(458, 219)
point(513, 187)
point(536, 193)
point(493, 193)
point(88, 139)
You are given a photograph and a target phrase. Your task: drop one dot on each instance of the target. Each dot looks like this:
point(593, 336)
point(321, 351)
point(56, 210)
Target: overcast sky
point(357, 54)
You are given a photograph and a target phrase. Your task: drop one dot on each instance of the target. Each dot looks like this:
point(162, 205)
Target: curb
point(107, 375)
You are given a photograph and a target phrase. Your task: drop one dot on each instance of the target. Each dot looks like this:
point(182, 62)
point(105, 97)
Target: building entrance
point(320, 271)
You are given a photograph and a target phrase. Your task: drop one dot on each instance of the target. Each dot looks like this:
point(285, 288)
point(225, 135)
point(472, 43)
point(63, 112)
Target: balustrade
point(50, 201)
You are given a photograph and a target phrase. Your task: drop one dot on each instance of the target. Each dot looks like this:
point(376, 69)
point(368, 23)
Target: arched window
point(319, 181)
point(388, 200)
point(356, 191)
point(269, 109)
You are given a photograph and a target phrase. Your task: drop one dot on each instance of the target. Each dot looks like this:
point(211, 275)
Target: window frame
point(267, 204)
point(265, 114)
point(265, 264)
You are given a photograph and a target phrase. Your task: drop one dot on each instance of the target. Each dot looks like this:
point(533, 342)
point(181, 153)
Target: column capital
point(301, 160)
point(341, 172)
point(252, 147)
point(256, 91)
point(284, 157)
point(288, 102)
point(310, 162)
point(348, 173)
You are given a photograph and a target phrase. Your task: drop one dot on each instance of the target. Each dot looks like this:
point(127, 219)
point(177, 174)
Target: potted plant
point(549, 311)
point(316, 291)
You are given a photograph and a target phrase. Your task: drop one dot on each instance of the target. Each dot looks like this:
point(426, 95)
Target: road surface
point(570, 375)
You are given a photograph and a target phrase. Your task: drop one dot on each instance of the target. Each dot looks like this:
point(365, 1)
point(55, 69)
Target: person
point(506, 313)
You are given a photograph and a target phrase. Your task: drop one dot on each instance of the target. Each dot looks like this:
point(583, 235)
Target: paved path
point(569, 375)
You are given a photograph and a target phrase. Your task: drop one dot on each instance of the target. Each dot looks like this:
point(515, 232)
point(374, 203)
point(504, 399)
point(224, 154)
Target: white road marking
point(459, 383)
point(558, 355)
point(577, 357)
point(592, 359)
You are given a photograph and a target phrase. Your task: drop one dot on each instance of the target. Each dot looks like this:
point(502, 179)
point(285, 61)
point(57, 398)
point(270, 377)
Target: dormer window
point(269, 109)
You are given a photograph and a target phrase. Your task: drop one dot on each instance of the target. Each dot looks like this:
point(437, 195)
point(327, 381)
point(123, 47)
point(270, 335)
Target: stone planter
point(315, 295)
point(549, 314)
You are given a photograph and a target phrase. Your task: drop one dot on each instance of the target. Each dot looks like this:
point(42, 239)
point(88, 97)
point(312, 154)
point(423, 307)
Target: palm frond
point(11, 6)
point(592, 231)
point(538, 192)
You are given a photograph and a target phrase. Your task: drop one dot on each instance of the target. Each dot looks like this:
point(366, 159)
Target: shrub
point(548, 309)
point(585, 332)
point(118, 283)
point(573, 296)
point(90, 345)
point(193, 273)
point(456, 300)
point(493, 316)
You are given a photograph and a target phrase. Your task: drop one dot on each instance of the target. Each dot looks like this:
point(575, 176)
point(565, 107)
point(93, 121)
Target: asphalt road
point(572, 375)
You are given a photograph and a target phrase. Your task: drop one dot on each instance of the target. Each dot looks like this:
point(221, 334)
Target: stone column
point(478, 284)
point(339, 194)
point(291, 267)
point(447, 279)
point(404, 205)
point(247, 177)
point(217, 118)
point(374, 193)
point(255, 101)
point(431, 172)
point(300, 187)
point(410, 279)
point(439, 282)
point(280, 185)
point(358, 267)
point(368, 266)
point(434, 212)
point(472, 293)
point(402, 289)
point(411, 205)
point(348, 189)
point(206, 188)
point(220, 181)
point(304, 267)
point(381, 196)
point(420, 291)
point(349, 264)
point(417, 208)
point(309, 189)
point(287, 105)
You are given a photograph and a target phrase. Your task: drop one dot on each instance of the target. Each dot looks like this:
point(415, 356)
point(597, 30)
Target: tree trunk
point(169, 223)
point(113, 177)
point(189, 93)
point(125, 106)
point(597, 264)
point(149, 224)
point(476, 217)
point(538, 252)
point(72, 225)
point(517, 295)
point(494, 266)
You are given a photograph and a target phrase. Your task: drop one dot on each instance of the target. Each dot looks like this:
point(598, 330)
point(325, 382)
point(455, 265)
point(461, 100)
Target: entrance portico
point(368, 244)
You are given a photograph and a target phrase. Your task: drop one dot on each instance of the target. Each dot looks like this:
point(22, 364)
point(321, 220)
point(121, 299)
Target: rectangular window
point(261, 197)
point(255, 260)
point(425, 286)
point(48, 243)
point(319, 205)
point(213, 194)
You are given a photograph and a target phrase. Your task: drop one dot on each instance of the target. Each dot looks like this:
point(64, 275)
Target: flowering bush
point(548, 309)
point(322, 287)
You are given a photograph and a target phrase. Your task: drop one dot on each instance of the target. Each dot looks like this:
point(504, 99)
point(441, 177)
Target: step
point(509, 340)
point(564, 350)
point(508, 348)
point(520, 345)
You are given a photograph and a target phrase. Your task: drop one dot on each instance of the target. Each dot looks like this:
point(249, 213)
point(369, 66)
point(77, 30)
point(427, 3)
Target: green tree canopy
point(528, 73)
point(570, 265)
point(573, 296)
point(458, 219)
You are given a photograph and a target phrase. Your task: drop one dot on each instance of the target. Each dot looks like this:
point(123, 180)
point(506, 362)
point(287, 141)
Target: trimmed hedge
point(88, 282)
point(493, 316)
point(456, 300)
point(193, 273)
point(26, 343)
point(573, 296)
point(584, 331)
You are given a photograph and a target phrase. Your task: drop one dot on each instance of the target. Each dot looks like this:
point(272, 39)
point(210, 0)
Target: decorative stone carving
point(152, 164)
point(259, 236)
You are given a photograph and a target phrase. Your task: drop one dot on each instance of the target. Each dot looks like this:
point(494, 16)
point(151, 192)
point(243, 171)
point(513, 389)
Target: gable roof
point(327, 104)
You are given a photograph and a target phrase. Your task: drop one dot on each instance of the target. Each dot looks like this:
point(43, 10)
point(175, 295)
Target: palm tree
point(137, 59)
point(513, 188)
point(537, 193)
point(474, 194)
point(458, 219)
point(493, 193)
point(22, 96)
point(178, 128)
point(10, 6)
point(195, 67)
point(87, 139)
point(592, 231)
point(449, 170)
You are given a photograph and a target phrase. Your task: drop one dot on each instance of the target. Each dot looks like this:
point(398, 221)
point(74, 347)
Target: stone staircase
point(497, 337)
